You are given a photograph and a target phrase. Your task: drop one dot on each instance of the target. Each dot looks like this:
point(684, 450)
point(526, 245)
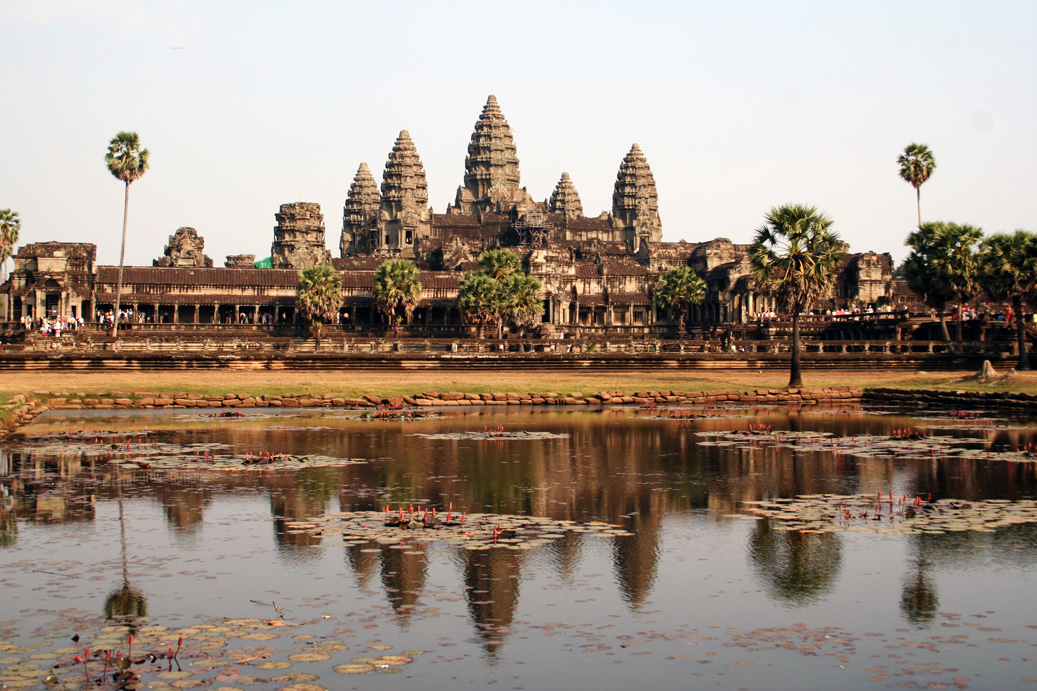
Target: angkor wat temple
point(597, 272)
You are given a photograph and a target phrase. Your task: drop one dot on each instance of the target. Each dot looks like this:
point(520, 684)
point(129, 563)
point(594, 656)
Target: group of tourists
point(53, 326)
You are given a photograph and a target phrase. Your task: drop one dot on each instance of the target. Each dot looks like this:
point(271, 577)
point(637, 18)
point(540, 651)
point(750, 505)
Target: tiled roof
point(174, 276)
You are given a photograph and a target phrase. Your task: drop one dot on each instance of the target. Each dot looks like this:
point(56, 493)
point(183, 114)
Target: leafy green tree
point(794, 256)
point(943, 266)
point(678, 288)
point(396, 287)
point(499, 264)
point(10, 226)
point(128, 162)
point(522, 304)
point(1008, 271)
point(916, 165)
point(962, 265)
point(479, 298)
point(926, 272)
point(318, 295)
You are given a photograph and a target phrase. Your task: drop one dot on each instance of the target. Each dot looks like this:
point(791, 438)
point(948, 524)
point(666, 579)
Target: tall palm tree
point(794, 257)
point(319, 295)
point(10, 225)
point(499, 264)
point(1008, 271)
point(479, 298)
point(678, 288)
point(523, 305)
point(396, 286)
point(916, 165)
point(128, 163)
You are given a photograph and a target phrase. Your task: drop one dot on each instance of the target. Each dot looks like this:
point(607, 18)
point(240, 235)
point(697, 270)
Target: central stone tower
point(491, 168)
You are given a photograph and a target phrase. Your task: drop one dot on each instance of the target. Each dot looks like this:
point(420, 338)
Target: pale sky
point(738, 107)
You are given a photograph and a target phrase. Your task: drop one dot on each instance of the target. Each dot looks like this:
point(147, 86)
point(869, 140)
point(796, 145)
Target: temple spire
point(491, 175)
point(404, 216)
point(404, 176)
point(635, 201)
point(360, 213)
point(565, 199)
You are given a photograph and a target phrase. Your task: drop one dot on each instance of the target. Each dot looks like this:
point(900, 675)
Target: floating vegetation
point(404, 414)
point(138, 451)
point(472, 531)
point(137, 653)
point(868, 513)
point(682, 414)
point(497, 433)
point(907, 444)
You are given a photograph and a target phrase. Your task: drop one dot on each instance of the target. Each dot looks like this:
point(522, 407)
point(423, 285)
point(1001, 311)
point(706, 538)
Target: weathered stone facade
point(598, 273)
point(299, 237)
point(51, 279)
point(185, 248)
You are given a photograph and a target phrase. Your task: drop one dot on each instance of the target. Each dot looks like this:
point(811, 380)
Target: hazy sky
point(738, 106)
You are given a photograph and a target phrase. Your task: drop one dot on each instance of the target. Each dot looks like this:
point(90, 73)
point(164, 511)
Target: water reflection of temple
point(491, 580)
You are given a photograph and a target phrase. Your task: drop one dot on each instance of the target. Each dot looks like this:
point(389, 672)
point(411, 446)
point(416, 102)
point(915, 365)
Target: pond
point(530, 549)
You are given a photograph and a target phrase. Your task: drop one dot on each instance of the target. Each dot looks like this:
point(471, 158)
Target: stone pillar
point(197, 314)
point(176, 314)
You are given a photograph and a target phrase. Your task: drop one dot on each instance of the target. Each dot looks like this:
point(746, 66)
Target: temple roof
point(565, 199)
point(492, 159)
point(404, 175)
point(363, 200)
point(635, 195)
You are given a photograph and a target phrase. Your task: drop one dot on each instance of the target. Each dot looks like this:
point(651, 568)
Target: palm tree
point(10, 224)
point(943, 266)
point(962, 265)
point(916, 165)
point(1008, 271)
point(396, 285)
point(676, 289)
point(499, 264)
point(794, 257)
point(319, 295)
point(127, 162)
point(520, 295)
point(926, 272)
point(479, 298)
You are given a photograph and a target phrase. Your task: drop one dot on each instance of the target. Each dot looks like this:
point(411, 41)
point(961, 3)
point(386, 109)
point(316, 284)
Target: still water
point(699, 594)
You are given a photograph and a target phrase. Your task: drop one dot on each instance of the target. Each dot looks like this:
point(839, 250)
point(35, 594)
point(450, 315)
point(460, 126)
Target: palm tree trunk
point(918, 194)
point(1020, 333)
point(958, 329)
point(122, 259)
point(795, 376)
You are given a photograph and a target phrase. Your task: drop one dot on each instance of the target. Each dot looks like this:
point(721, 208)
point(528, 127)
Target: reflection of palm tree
point(126, 601)
point(919, 600)
point(797, 567)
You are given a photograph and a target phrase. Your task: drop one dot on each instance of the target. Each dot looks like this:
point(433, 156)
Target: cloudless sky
point(738, 106)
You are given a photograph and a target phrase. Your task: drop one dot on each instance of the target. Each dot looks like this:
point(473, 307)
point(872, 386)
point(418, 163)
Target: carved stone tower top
point(405, 217)
point(565, 199)
point(184, 249)
point(403, 182)
point(299, 237)
point(360, 213)
point(635, 201)
point(491, 177)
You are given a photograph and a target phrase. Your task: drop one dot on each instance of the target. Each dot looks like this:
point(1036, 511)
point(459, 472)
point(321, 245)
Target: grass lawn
point(354, 383)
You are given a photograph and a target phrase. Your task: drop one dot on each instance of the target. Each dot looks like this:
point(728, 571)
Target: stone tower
point(491, 168)
point(185, 248)
point(405, 215)
point(635, 202)
point(360, 214)
point(299, 237)
point(565, 199)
